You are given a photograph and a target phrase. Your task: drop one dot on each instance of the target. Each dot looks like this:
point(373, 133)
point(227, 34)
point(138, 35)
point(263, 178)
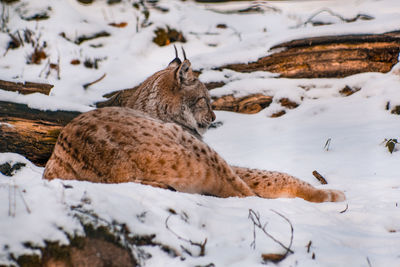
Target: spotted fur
point(155, 139)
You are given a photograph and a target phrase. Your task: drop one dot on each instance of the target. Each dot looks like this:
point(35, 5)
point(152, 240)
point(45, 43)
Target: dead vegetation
point(348, 91)
point(286, 102)
point(103, 244)
point(396, 110)
point(278, 114)
point(167, 35)
point(92, 63)
point(253, 7)
point(25, 37)
point(311, 20)
point(391, 144)
point(200, 245)
point(256, 220)
point(118, 25)
point(9, 170)
point(84, 38)
point(43, 15)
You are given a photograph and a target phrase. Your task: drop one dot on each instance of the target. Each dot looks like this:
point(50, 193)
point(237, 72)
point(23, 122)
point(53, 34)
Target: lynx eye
point(201, 102)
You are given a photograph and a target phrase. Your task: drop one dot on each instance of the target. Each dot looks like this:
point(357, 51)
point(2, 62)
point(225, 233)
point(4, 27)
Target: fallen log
point(26, 88)
point(31, 132)
point(249, 104)
point(329, 56)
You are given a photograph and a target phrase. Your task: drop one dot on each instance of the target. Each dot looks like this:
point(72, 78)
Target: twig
point(90, 214)
point(202, 246)
point(321, 11)
point(309, 20)
point(5, 17)
point(58, 65)
point(96, 81)
point(12, 200)
point(10, 206)
point(203, 33)
point(15, 201)
point(319, 177)
point(255, 218)
point(237, 33)
point(23, 200)
point(343, 211)
point(309, 246)
point(327, 144)
point(47, 65)
point(291, 232)
point(20, 38)
point(258, 6)
point(369, 262)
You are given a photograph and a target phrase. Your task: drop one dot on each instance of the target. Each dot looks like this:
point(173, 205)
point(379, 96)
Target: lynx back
point(155, 139)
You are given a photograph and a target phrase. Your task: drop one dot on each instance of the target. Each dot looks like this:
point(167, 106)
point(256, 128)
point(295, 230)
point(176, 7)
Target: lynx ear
point(176, 62)
point(184, 72)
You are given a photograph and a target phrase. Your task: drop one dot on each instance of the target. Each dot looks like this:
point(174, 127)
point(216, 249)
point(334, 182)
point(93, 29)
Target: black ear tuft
point(176, 62)
point(184, 53)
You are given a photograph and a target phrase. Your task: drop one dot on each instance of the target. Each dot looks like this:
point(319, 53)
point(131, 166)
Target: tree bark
point(26, 88)
point(31, 132)
point(329, 56)
point(249, 104)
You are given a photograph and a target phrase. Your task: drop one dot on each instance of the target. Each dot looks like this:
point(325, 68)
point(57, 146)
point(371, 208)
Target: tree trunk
point(31, 132)
point(329, 56)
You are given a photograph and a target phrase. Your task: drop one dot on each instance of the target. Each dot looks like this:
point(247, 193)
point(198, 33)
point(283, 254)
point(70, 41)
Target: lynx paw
point(334, 195)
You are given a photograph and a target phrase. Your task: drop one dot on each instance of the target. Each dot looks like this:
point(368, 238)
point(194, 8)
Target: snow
point(357, 162)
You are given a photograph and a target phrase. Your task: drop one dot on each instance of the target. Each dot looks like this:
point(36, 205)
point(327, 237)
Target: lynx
point(155, 139)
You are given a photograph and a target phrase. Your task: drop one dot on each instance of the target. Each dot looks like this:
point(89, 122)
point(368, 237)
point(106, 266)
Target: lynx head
point(175, 94)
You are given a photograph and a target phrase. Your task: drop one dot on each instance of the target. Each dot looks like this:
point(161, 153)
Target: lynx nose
point(213, 117)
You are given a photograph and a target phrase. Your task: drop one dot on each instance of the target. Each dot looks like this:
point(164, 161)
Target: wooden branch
point(202, 245)
point(86, 85)
point(26, 88)
point(31, 132)
point(348, 20)
point(255, 218)
point(319, 177)
point(347, 207)
point(249, 104)
point(329, 56)
point(213, 85)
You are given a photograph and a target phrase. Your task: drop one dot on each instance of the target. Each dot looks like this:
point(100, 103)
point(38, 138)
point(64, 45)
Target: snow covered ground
point(366, 233)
